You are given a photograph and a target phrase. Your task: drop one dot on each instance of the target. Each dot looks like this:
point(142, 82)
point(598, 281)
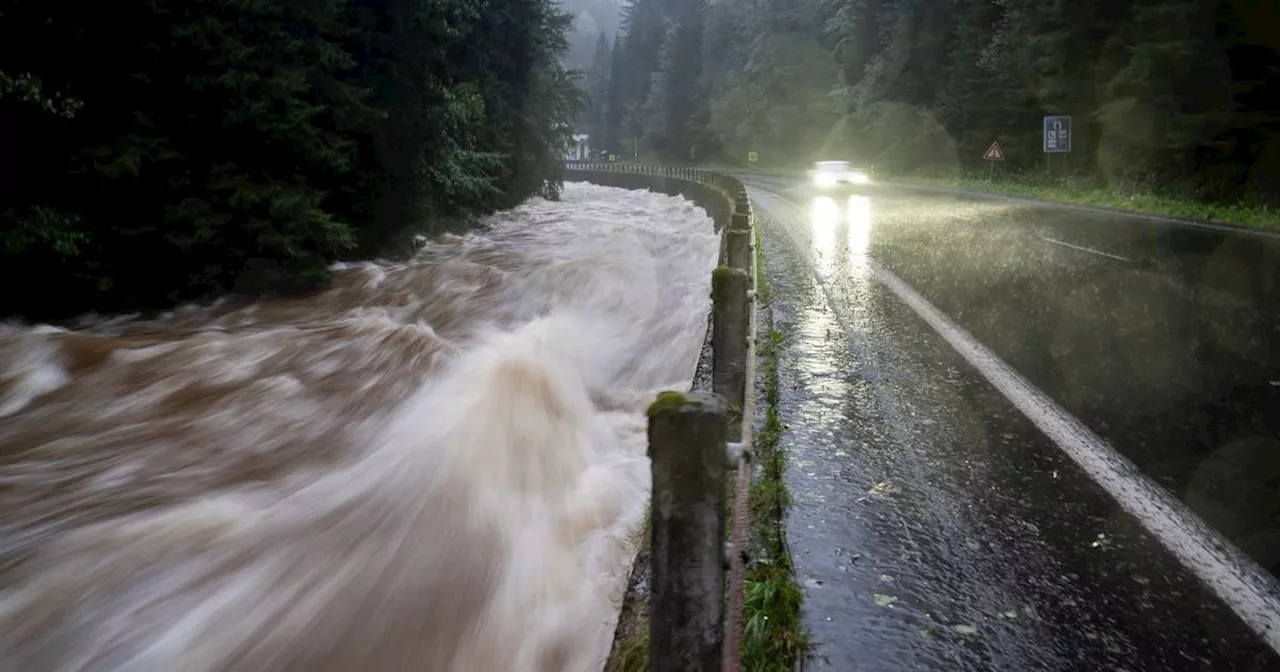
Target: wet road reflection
point(934, 528)
point(841, 230)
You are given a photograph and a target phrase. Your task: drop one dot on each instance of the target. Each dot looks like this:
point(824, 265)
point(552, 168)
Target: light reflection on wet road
point(934, 527)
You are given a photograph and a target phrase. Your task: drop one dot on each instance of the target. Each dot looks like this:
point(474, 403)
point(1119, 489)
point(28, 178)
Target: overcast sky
point(590, 17)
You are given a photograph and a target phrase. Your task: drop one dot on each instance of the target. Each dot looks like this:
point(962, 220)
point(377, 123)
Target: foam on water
point(437, 465)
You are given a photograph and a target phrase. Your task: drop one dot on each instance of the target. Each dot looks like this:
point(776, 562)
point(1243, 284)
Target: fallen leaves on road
point(883, 488)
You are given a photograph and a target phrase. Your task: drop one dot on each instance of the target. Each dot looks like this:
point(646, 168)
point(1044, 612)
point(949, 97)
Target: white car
point(833, 175)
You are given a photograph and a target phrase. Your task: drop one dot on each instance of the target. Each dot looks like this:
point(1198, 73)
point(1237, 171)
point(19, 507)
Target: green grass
point(774, 636)
point(630, 651)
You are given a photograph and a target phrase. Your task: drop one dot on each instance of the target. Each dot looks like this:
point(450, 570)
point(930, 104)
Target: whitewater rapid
point(436, 465)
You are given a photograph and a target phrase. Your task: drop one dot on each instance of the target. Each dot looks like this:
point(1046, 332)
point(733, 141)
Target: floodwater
point(436, 465)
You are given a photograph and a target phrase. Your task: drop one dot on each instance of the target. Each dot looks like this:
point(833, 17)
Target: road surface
point(938, 349)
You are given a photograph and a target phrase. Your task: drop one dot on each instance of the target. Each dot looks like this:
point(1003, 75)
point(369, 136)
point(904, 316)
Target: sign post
point(1057, 136)
point(993, 155)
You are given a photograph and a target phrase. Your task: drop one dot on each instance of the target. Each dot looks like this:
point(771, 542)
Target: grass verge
point(630, 652)
point(774, 637)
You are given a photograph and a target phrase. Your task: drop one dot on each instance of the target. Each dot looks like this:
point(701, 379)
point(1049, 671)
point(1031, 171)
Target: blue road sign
point(1057, 134)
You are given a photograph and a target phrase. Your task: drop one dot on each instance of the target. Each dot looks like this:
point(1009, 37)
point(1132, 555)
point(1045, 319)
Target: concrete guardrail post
point(687, 449)
point(729, 323)
point(738, 249)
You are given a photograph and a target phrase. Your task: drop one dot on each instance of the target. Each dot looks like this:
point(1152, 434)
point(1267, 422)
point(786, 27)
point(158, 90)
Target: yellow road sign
point(753, 157)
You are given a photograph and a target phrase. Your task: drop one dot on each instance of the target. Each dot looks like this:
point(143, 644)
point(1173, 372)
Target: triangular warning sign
point(994, 152)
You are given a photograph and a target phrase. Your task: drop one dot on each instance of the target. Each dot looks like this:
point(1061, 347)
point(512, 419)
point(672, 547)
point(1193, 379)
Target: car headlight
point(860, 178)
point(824, 179)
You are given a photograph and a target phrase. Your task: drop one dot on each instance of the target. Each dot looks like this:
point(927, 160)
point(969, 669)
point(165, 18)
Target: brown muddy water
point(436, 465)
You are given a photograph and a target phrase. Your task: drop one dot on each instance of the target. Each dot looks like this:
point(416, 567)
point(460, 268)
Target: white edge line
point(1090, 250)
point(1250, 592)
point(1244, 586)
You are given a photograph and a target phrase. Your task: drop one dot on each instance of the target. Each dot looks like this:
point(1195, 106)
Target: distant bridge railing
point(695, 438)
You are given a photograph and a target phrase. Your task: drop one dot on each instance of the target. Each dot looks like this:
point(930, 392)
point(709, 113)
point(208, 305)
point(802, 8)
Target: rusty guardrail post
point(730, 318)
point(687, 450)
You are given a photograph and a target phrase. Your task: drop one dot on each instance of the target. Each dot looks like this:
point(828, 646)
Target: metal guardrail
point(694, 438)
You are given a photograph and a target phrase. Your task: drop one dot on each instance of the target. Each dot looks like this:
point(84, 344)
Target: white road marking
point(1090, 250)
point(1243, 585)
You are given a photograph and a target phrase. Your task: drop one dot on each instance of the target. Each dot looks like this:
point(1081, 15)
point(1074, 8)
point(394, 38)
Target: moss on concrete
point(671, 401)
point(631, 651)
point(719, 277)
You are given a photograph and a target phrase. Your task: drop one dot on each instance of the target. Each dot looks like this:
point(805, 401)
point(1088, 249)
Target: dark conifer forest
point(157, 151)
point(1176, 96)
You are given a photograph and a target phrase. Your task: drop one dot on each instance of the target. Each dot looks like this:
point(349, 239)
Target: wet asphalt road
point(933, 526)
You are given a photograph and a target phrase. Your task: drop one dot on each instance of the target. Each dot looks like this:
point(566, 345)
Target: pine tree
point(597, 119)
point(616, 102)
point(656, 109)
point(1171, 96)
point(176, 150)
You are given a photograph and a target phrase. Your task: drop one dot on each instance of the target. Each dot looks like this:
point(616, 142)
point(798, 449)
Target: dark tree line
point(154, 151)
point(1164, 94)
